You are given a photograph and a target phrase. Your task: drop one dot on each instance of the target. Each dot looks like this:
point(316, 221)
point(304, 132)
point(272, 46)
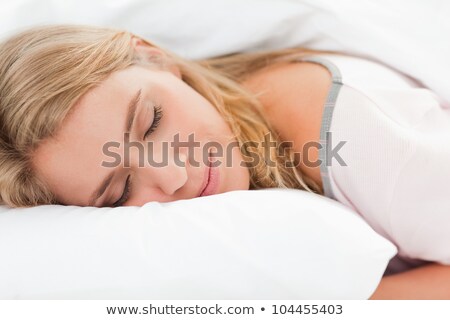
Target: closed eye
point(127, 189)
point(158, 113)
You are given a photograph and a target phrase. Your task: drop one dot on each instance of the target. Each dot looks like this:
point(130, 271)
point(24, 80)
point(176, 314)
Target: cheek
point(198, 118)
point(188, 112)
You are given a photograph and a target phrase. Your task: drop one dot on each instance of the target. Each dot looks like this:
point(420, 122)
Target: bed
point(265, 244)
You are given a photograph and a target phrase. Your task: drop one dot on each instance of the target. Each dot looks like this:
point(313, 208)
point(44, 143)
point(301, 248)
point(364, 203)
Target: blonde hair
point(44, 71)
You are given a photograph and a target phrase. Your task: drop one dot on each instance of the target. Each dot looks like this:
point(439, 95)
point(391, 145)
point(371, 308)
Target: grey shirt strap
point(327, 116)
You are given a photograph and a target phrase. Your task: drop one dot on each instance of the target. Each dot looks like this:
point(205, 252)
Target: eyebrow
point(131, 115)
point(132, 110)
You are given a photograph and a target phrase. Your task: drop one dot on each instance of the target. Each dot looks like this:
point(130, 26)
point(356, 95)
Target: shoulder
point(293, 95)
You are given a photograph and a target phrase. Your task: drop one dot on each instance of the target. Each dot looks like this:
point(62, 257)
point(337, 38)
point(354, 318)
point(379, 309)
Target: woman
point(100, 117)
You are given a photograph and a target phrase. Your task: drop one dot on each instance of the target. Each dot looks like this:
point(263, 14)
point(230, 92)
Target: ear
point(151, 52)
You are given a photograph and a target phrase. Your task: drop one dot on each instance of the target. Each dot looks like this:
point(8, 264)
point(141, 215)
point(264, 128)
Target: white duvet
point(411, 36)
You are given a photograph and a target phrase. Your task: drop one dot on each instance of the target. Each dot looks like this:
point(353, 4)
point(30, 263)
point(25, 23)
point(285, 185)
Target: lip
point(210, 180)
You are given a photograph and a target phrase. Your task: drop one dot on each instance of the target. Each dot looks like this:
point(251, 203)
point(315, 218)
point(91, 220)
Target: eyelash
point(156, 120)
point(125, 193)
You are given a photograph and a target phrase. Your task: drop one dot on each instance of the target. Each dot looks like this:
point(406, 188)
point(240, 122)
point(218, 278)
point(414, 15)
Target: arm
point(431, 281)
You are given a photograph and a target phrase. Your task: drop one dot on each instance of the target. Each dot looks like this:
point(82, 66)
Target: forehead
point(74, 156)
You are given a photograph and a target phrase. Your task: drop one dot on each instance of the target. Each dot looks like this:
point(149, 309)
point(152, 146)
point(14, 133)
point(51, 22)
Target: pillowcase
point(251, 244)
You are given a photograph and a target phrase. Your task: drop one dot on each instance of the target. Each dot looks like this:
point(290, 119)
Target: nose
point(160, 180)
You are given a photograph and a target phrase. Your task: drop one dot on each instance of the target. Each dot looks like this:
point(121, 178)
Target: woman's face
point(87, 162)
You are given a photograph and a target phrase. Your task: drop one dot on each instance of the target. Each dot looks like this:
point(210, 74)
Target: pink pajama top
point(386, 154)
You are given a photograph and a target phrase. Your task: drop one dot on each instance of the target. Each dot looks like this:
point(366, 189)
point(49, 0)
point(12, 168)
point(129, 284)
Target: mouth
point(211, 180)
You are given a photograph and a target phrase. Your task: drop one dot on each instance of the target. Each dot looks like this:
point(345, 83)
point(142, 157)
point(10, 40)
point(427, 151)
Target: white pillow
point(259, 244)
